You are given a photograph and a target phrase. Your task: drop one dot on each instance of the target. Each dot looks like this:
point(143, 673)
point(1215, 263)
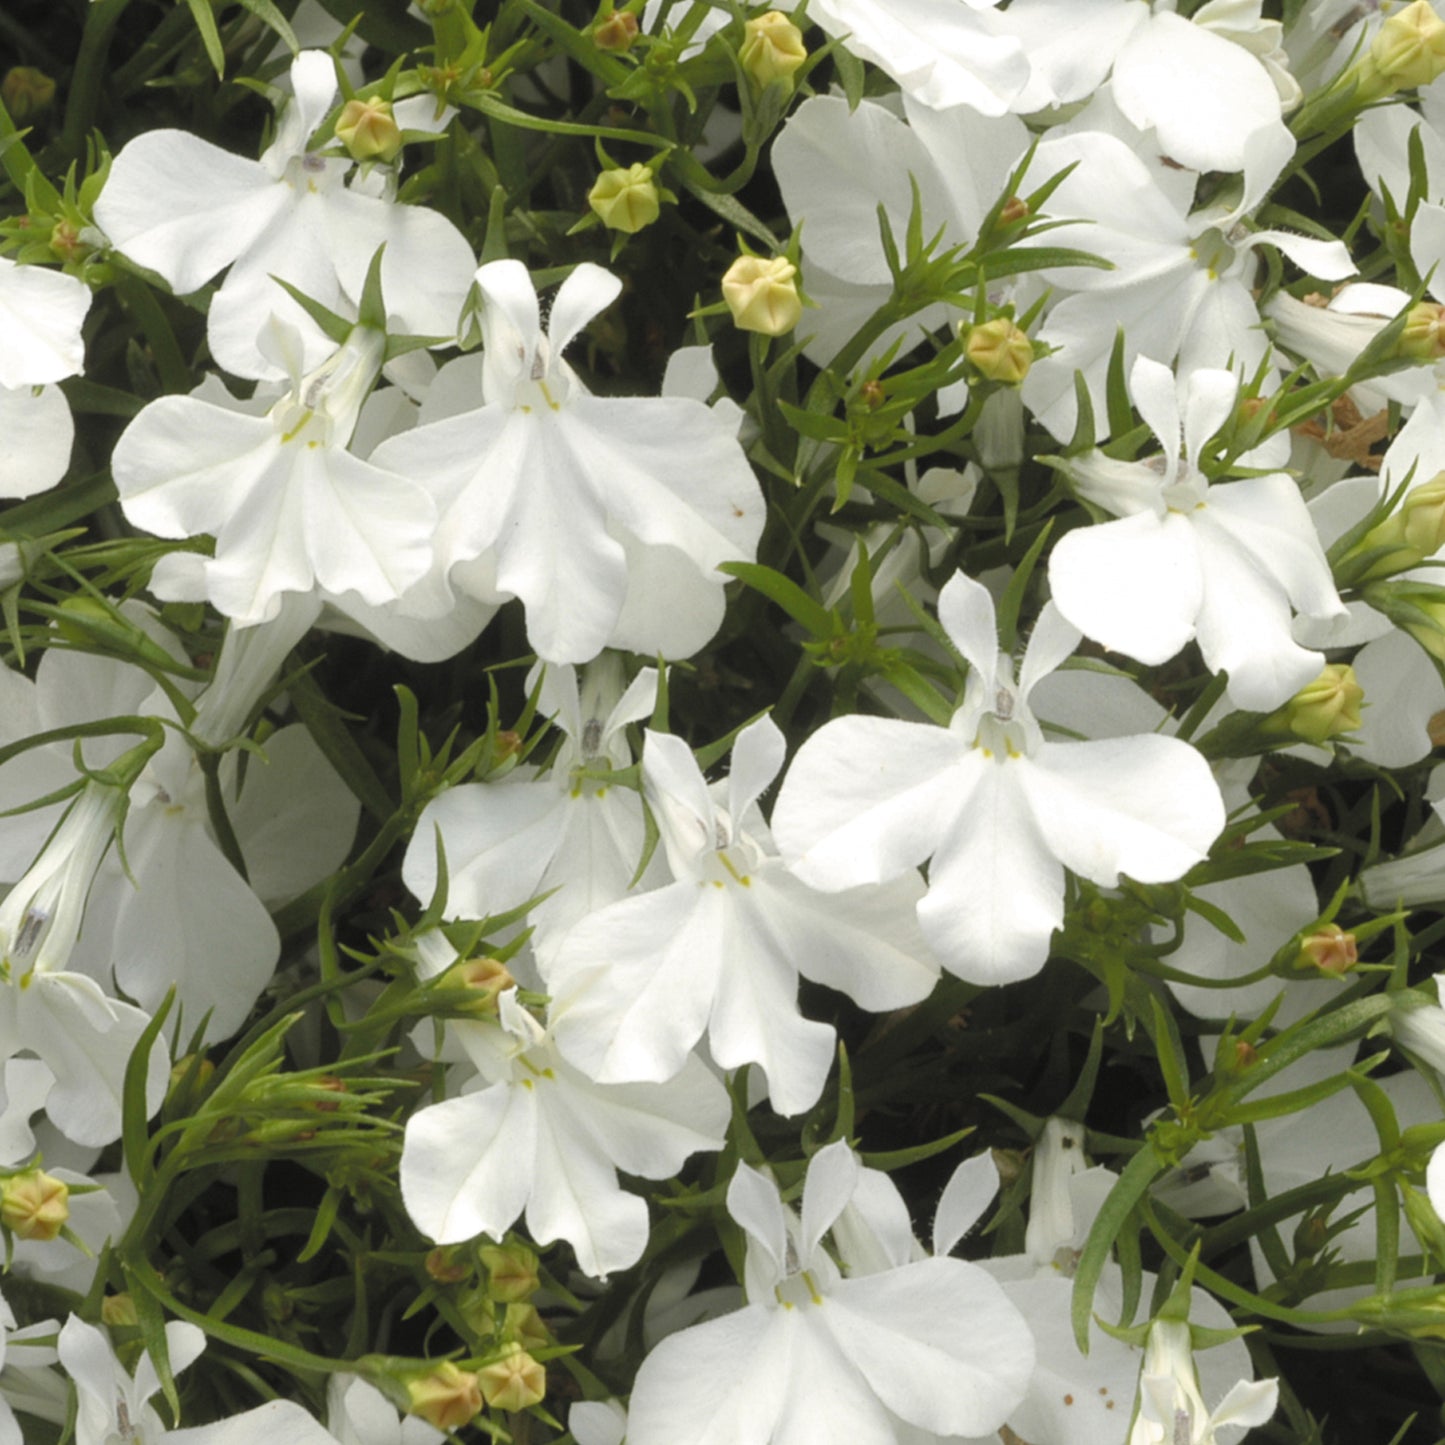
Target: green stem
point(89, 75)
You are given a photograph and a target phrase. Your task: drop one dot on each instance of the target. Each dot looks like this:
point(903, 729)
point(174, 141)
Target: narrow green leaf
point(786, 593)
point(205, 19)
point(134, 1108)
point(1139, 1173)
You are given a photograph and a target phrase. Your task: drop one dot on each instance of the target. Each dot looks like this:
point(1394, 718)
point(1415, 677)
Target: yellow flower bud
point(368, 129)
point(1422, 515)
point(772, 48)
point(26, 92)
point(445, 1396)
point(617, 32)
point(523, 1324)
point(514, 1382)
point(1409, 48)
point(762, 295)
point(511, 1271)
point(118, 1309)
point(1000, 350)
point(1424, 334)
point(485, 977)
point(625, 200)
point(34, 1205)
point(1323, 708)
point(1329, 949)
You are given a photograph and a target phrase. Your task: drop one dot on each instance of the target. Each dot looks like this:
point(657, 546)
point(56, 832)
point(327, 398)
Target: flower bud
point(1014, 209)
point(26, 92)
point(625, 200)
point(762, 295)
point(772, 48)
point(1311, 1236)
point(445, 1396)
point(522, 1323)
point(1424, 335)
point(1328, 706)
point(617, 32)
point(1422, 516)
point(34, 1205)
point(514, 1382)
point(511, 1271)
point(118, 1310)
point(1329, 949)
point(1424, 1221)
point(368, 130)
point(446, 1265)
point(485, 978)
point(1408, 49)
point(1000, 350)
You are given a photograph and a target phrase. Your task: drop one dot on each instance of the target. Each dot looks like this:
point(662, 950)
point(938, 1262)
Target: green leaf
point(787, 594)
point(134, 1109)
point(267, 13)
point(1139, 1173)
point(205, 19)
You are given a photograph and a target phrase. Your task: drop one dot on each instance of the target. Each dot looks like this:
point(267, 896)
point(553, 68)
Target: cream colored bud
point(1423, 517)
point(1409, 48)
point(617, 32)
point(1326, 707)
point(1000, 350)
point(34, 1205)
point(445, 1396)
point(26, 92)
point(626, 200)
point(118, 1309)
point(511, 1271)
point(515, 1382)
point(762, 294)
point(485, 977)
point(772, 48)
point(1329, 949)
point(1424, 335)
point(368, 130)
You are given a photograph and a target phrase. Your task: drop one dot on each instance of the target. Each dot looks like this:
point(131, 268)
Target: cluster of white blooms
point(1002, 442)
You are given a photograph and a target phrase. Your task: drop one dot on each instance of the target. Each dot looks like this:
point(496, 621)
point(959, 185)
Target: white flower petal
point(1145, 806)
point(937, 1341)
point(38, 433)
point(466, 1163)
point(970, 1190)
point(867, 798)
point(995, 889)
point(1133, 585)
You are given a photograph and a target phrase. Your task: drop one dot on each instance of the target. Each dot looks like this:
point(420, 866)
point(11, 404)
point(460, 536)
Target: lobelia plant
point(654, 650)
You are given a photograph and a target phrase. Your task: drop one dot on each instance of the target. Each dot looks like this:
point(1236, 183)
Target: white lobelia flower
point(1186, 560)
point(290, 508)
point(178, 914)
point(64, 1017)
point(931, 1344)
point(187, 209)
point(720, 949)
point(1171, 1409)
point(1180, 284)
point(41, 312)
point(1001, 811)
point(114, 1406)
point(579, 504)
point(578, 839)
point(529, 1132)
